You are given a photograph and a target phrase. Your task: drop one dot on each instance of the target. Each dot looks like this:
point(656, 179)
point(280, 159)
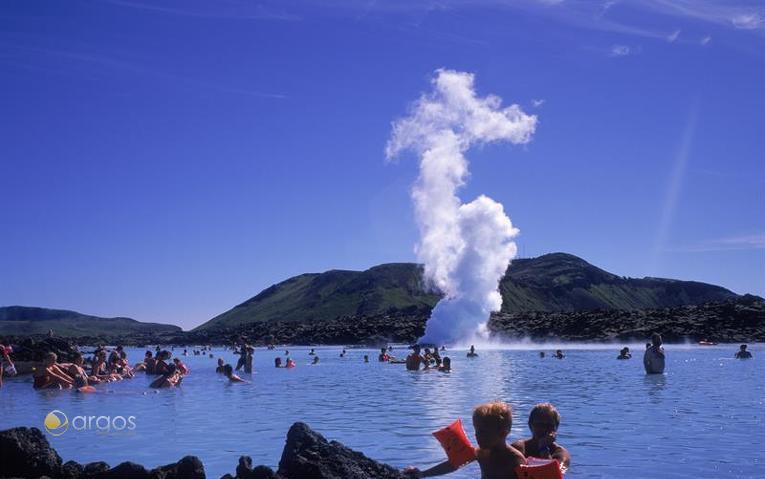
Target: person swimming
point(160, 366)
point(315, 360)
point(496, 459)
point(169, 378)
point(559, 354)
point(383, 356)
point(228, 371)
point(366, 358)
point(654, 358)
point(182, 369)
point(742, 353)
point(312, 353)
point(414, 360)
point(544, 421)
point(472, 353)
point(624, 353)
point(221, 366)
point(541, 354)
point(446, 365)
point(278, 362)
point(290, 363)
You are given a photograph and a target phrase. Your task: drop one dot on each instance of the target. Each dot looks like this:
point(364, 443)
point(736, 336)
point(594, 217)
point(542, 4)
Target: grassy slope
point(22, 320)
point(554, 282)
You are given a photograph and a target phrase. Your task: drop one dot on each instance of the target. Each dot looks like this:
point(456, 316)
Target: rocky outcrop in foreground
point(26, 453)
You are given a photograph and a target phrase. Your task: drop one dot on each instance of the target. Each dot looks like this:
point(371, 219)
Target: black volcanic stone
point(307, 455)
point(126, 470)
point(94, 469)
point(190, 467)
point(26, 453)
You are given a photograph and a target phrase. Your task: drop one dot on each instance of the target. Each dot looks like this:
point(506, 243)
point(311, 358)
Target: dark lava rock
point(190, 467)
point(25, 452)
point(94, 469)
point(71, 470)
point(245, 471)
point(33, 348)
point(126, 470)
point(307, 455)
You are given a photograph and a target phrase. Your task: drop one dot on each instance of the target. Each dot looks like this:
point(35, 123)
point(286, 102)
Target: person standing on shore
point(654, 359)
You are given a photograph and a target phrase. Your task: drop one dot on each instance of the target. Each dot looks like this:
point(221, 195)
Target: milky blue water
point(703, 418)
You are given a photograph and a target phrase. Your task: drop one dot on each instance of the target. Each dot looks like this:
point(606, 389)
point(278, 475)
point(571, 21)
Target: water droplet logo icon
point(56, 423)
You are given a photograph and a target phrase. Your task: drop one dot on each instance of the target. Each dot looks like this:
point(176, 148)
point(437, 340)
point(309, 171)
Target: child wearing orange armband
point(498, 460)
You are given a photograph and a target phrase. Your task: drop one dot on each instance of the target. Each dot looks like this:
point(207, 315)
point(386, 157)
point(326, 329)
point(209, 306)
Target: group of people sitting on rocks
point(106, 367)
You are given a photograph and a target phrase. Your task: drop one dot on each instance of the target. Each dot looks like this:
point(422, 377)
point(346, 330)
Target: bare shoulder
point(516, 455)
point(520, 445)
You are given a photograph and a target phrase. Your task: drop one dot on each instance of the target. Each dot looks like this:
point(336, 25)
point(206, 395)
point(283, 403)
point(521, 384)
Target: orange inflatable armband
point(537, 468)
point(457, 446)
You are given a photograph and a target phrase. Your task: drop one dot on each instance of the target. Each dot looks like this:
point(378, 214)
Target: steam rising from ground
point(466, 248)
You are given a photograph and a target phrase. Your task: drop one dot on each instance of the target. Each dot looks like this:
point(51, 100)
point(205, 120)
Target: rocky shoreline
point(739, 320)
point(26, 454)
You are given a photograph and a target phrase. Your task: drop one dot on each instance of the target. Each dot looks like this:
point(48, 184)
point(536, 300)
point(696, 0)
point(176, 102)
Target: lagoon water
point(703, 418)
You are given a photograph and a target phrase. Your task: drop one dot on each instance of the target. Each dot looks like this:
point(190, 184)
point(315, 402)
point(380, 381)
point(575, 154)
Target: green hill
point(23, 320)
point(555, 282)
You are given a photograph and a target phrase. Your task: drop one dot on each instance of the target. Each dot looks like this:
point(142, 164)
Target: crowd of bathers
point(103, 366)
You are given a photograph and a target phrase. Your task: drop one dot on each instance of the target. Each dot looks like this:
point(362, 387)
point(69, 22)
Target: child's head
point(147, 355)
point(656, 339)
point(50, 359)
point(544, 420)
point(743, 347)
point(220, 362)
point(492, 422)
point(78, 359)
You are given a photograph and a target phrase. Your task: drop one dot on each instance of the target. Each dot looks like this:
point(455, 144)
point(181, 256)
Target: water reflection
point(655, 384)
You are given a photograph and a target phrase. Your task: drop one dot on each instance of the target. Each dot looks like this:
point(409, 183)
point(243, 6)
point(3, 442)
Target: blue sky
point(168, 160)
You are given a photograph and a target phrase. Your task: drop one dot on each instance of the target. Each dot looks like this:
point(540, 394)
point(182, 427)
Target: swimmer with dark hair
point(414, 360)
point(544, 420)
point(654, 359)
point(278, 362)
point(315, 360)
point(228, 371)
point(472, 353)
point(742, 353)
point(221, 366)
point(624, 353)
point(168, 379)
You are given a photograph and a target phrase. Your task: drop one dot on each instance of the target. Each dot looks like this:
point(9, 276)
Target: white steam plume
point(466, 248)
